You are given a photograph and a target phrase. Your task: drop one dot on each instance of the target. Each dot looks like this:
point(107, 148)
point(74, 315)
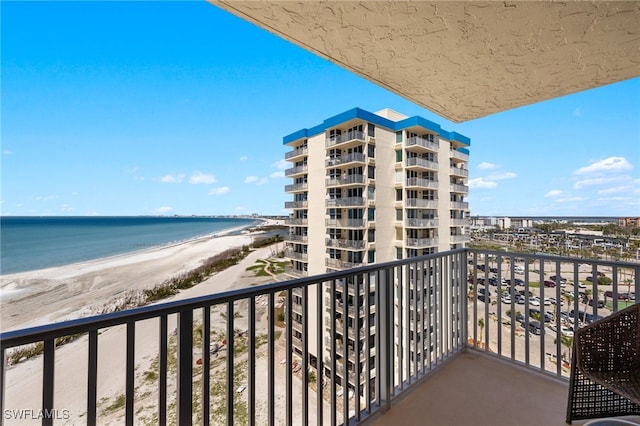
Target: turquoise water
point(29, 243)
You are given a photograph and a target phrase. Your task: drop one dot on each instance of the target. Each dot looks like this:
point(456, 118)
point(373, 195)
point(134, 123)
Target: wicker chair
point(605, 368)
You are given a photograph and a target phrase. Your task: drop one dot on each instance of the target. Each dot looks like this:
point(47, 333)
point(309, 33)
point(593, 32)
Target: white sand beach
point(75, 290)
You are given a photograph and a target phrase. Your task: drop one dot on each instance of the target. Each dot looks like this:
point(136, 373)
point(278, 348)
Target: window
point(371, 235)
point(398, 253)
point(371, 192)
point(399, 156)
point(371, 214)
point(398, 214)
point(371, 172)
point(399, 137)
point(371, 256)
point(371, 151)
point(371, 130)
point(398, 194)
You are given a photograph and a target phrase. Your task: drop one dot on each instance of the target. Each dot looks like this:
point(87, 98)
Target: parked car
point(548, 283)
point(561, 279)
point(535, 327)
point(599, 303)
point(484, 299)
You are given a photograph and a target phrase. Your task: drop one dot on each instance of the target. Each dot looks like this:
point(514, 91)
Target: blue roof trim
point(378, 121)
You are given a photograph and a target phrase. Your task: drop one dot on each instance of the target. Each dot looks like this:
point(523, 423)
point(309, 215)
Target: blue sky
point(123, 108)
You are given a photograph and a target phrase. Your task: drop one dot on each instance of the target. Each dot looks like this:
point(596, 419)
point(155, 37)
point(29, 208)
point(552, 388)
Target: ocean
point(30, 243)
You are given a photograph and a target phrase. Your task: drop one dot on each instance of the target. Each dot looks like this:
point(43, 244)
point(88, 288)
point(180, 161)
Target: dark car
point(600, 303)
point(482, 298)
point(561, 279)
point(535, 327)
point(548, 283)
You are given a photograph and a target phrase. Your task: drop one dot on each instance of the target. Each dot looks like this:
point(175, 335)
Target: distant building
point(630, 222)
point(369, 188)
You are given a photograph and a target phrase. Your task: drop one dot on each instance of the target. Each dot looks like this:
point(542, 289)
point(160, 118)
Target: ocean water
point(29, 243)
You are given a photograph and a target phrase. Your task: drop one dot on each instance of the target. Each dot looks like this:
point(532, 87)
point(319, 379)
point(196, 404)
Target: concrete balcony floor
point(475, 389)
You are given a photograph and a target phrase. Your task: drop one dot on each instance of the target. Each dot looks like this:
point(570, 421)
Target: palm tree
point(481, 325)
point(587, 298)
point(568, 342)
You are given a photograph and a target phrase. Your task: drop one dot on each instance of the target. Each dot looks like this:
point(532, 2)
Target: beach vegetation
point(118, 403)
point(23, 353)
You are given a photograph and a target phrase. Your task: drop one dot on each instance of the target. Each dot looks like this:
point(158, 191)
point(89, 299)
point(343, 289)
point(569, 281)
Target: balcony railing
point(238, 370)
point(296, 170)
point(296, 153)
point(422, 242)
point(345, 202)
point(423, 183)
point(355, 157)
point(459, 238)
point(459, 155)
point(421, 203)
point(294, 187)
point(343, 138)
point(345, 223)
point(459, 222)
point(346, 244)
point(459, 188)
point(459, 171)
point(296, 221)
point(345, 180)
point(422, 163)
point(418, 141)
point(292, 254)
point(421, 223)
point(342, 264)
point(296, 204)
point(460, 205)
point(296, 237)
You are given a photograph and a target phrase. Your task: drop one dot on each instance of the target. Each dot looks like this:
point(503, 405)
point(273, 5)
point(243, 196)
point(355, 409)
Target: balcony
point(345, 180)
point(298, 152)
point(416, 163)
point(356, 157)
point(459, 205)
point(342, 264)
point(459, 155)
point(345, 138)
point(484, 363)
point(296, 221)
point(459, 238)
point(422, 183)
point(345, 223)
point(421, 203)
point(418, 142)
point(292, 254)
point(459, 171)
point(420, 223)
point(345, 244)
point(459, 222)
point(296, 204)
point(463, 189)
point(346, 202)
point(421, 242)
point(296, 187)
point(292, 171)
point(296, 237)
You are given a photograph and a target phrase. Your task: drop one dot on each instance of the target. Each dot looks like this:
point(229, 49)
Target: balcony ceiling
point(464, 60)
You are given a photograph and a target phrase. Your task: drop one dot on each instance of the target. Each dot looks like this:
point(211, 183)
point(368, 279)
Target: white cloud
point(281, 164)
point(599, 181)
point(250, 179)
point(6, 152)
point(486, 166)
point(554, 193)
point(244, 158)
point(569, 199)
point(277, 175)
point(577, 112)
point(482, 183)
point(163, 209)
point(198, 178)
point(173, 178)
point(501, 176)
point(616, 189)
point(261, 181)
point(220, 191)
point(66, 208)
point(611, 164)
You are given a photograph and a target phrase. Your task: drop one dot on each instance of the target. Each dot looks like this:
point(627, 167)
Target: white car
point(534, 301)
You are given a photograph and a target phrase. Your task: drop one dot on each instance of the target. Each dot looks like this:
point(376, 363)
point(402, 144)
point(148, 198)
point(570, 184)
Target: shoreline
point(86, 288)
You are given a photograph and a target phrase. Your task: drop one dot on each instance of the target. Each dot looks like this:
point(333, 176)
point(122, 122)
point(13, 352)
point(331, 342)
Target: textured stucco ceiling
point(464, 60)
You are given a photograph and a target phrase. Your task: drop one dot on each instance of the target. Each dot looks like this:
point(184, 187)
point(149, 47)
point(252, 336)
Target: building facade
point(369, 188)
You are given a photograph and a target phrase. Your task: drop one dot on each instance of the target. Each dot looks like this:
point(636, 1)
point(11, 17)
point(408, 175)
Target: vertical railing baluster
point(272, 361)
point(463, 297)
point(386, 339)
point(358, 326)
point(345, 348)
point(131, 372)
point(391, 330)
point(417, 288)
point(206, 364)
point(48, 369)
point(185, 369)
point(305, 354)
point(162, 381)
point(2, 383)
point(289, 356)
point(251, 363)
point(92, 377)
point(367, 295)
point(319, 354)
point(230, 362)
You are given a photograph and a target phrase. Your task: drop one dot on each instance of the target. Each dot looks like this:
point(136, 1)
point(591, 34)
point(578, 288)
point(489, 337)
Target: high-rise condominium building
point(369, 188)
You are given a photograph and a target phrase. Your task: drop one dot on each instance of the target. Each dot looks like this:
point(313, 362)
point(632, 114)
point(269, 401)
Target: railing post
point(385, 324)
point(185, 375)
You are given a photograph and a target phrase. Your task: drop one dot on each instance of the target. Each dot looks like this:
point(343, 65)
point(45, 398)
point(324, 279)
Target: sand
point(72, 291)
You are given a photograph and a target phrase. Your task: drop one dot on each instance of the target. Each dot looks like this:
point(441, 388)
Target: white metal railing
point(421, 203)
point(296, 153)
point(421, 223)
point(421, 162)
point(425, 183)
point(355, 157)
point(296, 170)
point(345, 137)
point(296, 187)
point(418, 141)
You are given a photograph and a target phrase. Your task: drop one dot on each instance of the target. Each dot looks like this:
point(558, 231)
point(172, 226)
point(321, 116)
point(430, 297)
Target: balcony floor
point(474, 389)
